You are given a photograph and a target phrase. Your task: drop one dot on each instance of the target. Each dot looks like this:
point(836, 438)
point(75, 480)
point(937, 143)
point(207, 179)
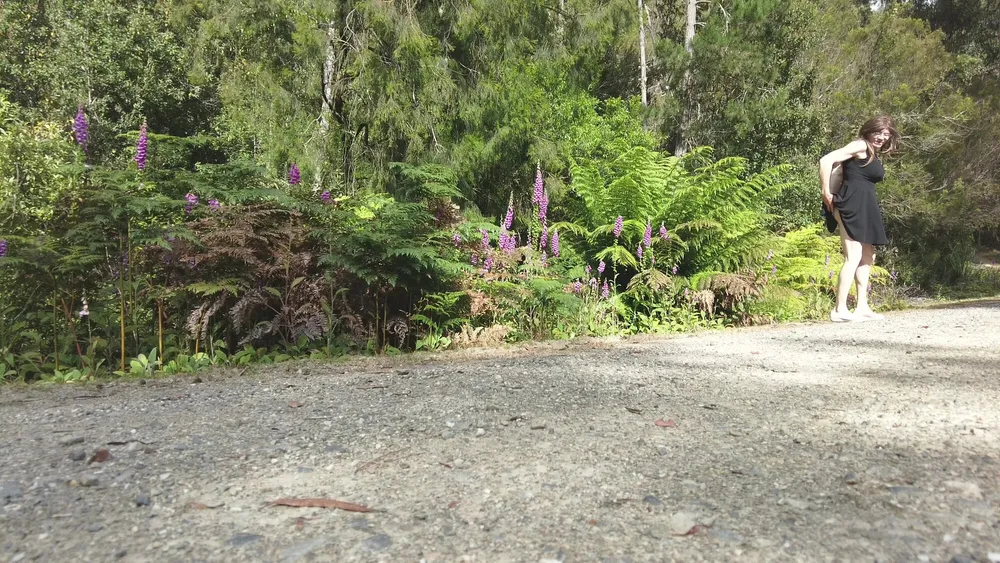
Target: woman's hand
point(828, 201)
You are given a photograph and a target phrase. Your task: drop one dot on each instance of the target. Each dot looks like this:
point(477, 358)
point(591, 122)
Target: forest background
point(188, 183)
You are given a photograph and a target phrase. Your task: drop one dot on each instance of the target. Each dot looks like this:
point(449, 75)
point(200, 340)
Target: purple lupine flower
point(663, 232)
point(600, 267)
point(674, 270)
point(192, 201)
point(647, 237)
point(545, 237)
point(586, 271)
point(539, 186)
point(325, 196)
point(593, 283)
point(488, 264)
point(605, 290)
point(502, 243)
point(554, 244)
point(619, 225)
point(475, 259)
point(545, 259)
point(638, 251)
point(294, 175)
point(80, 128)
point(577, 287)
point(214, 205)
point(140, 148)
point(543, 207)
point(457, 239)
point(3, 248)
point(774, 269)
point(827, 261)
point(486, 240)
point(831, 275)
point(509, 219)
point(892, 275)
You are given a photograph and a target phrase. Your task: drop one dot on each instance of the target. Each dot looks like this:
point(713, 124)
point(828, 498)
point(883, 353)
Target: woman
point(857, 212)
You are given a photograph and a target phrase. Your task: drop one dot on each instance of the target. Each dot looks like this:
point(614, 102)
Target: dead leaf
point(321, 503)
point(453, 504)
point(443, 464)
point(633, 410)
point(665, 423)
point(295, 404)
point(100, 456)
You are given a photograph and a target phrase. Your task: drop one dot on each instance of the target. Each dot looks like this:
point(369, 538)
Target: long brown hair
point(875, 125)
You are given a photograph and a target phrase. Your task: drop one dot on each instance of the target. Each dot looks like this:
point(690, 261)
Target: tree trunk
point(642, 51)
point(692, 18)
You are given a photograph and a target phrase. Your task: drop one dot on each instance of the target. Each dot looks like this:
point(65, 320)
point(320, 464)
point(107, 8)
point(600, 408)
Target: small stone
point(663, 450)
point(18, 557)
point(480, 432)
point(538, 426)
point(10, 492)
point(78, 454)
point(962, 558)
point(378, 542)
point(142, 382)
point(240, 540)
point(447, 434)
point(143, 500)
point(651, 500)
point(851, 478)
point(681, 523)
point(305, 469)
point(402, 372)
point(797, 504)
point(94, 528)
point(993, 556)
point(121, 554)
point(88, 481)
point(72, 441)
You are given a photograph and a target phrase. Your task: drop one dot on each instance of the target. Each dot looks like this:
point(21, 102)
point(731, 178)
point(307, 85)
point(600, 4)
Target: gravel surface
point(875, 441)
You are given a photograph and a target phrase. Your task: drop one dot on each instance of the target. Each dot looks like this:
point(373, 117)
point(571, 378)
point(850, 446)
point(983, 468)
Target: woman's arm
point(856, 148)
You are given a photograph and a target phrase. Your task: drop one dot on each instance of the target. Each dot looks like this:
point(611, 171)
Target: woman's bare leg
point(852, 258)
point(861, 276)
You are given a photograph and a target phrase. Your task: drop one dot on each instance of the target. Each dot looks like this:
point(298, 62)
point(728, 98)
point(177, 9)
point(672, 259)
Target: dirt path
point(815, 442)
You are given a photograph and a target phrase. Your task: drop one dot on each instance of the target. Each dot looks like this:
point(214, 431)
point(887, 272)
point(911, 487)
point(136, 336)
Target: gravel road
point(875, 441)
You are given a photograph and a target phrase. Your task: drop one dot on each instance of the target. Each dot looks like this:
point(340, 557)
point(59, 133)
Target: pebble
point(851, 478)
point(447, 434)
point(143, 500)
point(538, 426)
point(962, 558)
point(78, 454)
point(650, 499)
point(993, 556)
point(94, 528)
point(244, 539)
point(480, 432)
point(378, 542)
point(89, 481)
point(71, 441)
point(121, 554)
point(10, 492)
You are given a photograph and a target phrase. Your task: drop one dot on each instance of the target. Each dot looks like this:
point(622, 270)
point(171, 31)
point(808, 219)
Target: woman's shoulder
point(858, 147)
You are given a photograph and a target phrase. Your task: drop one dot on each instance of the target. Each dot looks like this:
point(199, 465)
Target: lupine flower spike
point(80, 128)
point(140, 148)
point(3, 248)
point(647, 237)
point(619, 224)
point(600, 267)
point(294, 175)
point(214, 205)
point(536, 197)
point(663, 232)
point(325, 196)
point(554, 244)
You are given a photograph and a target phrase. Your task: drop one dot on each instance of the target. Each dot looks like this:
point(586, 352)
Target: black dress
point(859, 210)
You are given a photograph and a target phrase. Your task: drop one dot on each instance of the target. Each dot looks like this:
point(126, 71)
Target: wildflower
point(80, 128)
point(488, 264)
point(554, 244)
point(647, 237)
point(539, 186)
point(577, 287)
point(85, 311)
point(457, 239)
point(192, 201)
point(674, 270)
point(475, 259)
point(3, 248)
point(593, 283)
point(325, 196)
point(638, 252)
point(294, 176)
point(652, 259)
point(600, 267)
point(214, 205)
point(543, 207)
point(545, 259)
point(770, 254)
point(587, 270)
point(140, 148)
point(486, 239)
point(774, 269)
point(509, 219)
point(686, 292)
point(831, 275)
point(545, 237)
point(664, 235)
point(827, 261)
point(605, 290)
point(892, 275)
point(619, 224)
